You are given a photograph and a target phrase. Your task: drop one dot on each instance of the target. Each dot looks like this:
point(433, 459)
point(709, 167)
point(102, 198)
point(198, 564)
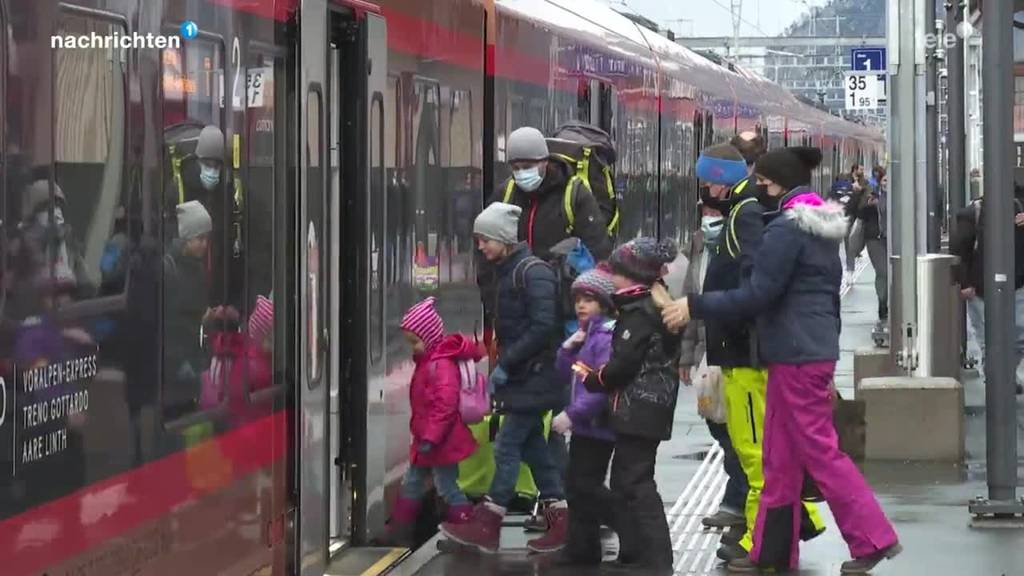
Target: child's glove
point(498, 379)
point(561, 423)
point(424, 447)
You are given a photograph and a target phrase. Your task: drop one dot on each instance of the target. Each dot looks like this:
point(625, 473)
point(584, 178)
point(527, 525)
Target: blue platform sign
point(868, 59)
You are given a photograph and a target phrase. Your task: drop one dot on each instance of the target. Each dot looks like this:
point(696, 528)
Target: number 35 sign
point(863, 91)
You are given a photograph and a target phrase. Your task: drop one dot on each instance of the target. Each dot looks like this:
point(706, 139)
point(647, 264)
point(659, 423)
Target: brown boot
point(482, 531)
point(557, 516)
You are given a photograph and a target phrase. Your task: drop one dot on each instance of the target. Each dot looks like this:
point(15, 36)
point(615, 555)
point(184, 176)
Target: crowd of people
point(602, 353)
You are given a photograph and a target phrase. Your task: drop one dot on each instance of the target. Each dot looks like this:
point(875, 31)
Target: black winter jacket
point(794, 289)
point(968, 242)
point(529, 331)
point(186, 299)
point(544, 222)
point(642, 374)
point(730, 343)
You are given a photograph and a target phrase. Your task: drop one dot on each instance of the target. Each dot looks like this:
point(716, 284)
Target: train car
point(200, 363)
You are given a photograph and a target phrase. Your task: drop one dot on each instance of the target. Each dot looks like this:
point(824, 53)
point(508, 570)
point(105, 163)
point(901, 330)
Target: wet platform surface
point(927, 502)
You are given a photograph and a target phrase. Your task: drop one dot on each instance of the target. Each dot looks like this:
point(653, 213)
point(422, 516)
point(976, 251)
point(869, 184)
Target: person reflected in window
point(44, 251)
point(186, 307)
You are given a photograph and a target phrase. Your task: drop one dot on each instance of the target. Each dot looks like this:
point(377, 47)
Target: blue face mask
point(710, 226)
point(528, 179)
point(210, 176)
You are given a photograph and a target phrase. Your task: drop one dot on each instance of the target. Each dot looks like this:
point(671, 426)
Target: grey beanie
point(500, 222)
point(193, 220)
point(210, 144)
point(527, 144)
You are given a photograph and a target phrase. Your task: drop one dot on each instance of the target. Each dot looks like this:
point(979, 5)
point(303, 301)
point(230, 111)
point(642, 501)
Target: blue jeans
point(521, 439)
point(735, 498)
point(976, 316)
point(445, 482)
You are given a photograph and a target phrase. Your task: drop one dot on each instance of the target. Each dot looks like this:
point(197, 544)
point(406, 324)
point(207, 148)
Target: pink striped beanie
point(261, 321)
point(423, 321)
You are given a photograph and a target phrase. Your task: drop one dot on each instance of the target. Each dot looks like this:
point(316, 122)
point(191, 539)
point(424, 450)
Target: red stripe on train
point(54, 532)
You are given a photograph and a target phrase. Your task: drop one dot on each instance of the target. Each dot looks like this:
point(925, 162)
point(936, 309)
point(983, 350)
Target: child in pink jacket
point(243, 361)
point(440, 440)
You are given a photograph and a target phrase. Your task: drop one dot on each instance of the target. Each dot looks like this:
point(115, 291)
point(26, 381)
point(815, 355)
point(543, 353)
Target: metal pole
point(1000, 401)
point(904, 69)
point(932, 131)
point(956, 139)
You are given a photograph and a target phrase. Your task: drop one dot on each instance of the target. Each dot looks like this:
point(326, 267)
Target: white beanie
point(527, 143)
point(500, 222)
point(193, 220)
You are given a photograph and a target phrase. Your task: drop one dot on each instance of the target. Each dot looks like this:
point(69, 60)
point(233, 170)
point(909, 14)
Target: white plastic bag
point(710, 399)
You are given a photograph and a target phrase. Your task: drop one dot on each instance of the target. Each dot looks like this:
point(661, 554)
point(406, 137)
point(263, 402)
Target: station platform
point(926, 502)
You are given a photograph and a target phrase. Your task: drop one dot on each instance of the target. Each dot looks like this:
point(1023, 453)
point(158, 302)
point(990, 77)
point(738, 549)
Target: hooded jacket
point(642, 375)
point(434, 400)
point(588, 410)
point(794, 288)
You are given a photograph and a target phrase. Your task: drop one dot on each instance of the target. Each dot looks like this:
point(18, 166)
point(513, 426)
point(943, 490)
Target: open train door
point(312, 425)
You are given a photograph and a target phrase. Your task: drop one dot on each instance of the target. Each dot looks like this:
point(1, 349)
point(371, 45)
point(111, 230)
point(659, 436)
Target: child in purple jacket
point(592, 443)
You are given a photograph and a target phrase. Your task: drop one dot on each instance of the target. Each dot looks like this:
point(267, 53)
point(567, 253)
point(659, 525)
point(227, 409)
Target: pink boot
point(459, 513)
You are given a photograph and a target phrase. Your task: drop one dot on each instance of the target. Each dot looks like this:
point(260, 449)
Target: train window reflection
point(71, 241)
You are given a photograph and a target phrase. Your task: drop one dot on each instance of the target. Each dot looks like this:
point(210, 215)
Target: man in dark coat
point(967, 242)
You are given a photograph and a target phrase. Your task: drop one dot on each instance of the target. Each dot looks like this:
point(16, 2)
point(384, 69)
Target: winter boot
point(401, 530)
point(730, 552)
point(723, 519)
point(459, 514)
point(482, 531)
point(742, 566)
point(557, 516)
point(864, 564)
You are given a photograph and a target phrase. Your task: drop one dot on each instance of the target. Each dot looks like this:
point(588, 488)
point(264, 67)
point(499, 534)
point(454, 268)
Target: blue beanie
point(721, 164)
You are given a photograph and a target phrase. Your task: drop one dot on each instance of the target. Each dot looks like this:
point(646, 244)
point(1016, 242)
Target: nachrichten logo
point(94, 41)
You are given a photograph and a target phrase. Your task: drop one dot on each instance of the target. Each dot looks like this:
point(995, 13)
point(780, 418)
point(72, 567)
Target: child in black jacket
point(642, 381)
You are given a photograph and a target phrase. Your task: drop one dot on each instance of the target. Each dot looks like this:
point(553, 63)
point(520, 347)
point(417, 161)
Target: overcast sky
point(711, 17)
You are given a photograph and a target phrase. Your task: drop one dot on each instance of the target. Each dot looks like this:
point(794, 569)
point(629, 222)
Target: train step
point(365, 561)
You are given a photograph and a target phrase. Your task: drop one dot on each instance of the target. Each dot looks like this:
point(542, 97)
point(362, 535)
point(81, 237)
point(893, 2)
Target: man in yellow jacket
point(734, 348)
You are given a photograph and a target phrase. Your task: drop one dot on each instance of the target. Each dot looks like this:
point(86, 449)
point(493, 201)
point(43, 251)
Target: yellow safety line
point(387, 560)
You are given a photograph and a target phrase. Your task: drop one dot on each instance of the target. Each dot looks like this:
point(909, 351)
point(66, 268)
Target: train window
point(86, 204)
point(314, 235)
point(378, 212)
point(517, 113)
point(465, 184)
point(260, 184)
point(196, 260)
point(583, 100)
point(193, 82)
point(538, 112)
point(606, 120)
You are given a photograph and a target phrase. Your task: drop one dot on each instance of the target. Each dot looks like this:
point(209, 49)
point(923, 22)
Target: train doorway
point(343, 57)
